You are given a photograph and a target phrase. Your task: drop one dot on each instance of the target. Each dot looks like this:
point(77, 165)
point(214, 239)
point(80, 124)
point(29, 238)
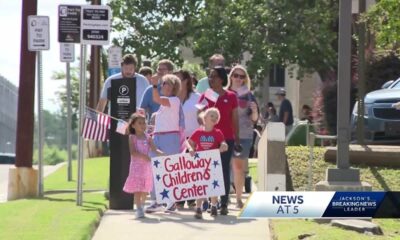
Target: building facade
point(8, 115)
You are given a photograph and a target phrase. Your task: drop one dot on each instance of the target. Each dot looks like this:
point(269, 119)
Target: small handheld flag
point(96, 126)
point(211, 95)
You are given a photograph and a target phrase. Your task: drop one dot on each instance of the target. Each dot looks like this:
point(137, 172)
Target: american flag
point(96, 126)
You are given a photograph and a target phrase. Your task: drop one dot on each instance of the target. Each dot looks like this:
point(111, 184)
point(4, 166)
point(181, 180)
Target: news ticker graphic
point(322, 205)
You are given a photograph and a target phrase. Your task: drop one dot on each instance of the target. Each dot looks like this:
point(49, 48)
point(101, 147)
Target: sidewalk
point(121, 225)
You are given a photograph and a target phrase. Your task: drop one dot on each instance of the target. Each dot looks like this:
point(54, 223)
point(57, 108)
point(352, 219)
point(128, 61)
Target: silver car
point(382, 119)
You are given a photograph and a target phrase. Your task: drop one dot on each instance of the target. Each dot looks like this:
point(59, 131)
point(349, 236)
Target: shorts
point(246, 145)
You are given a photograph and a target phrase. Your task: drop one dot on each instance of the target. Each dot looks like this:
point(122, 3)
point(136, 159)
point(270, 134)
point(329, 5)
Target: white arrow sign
point(38, 33)
point(67, 52)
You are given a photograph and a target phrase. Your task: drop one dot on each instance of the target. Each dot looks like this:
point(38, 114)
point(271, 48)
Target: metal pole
point(82, 104)
point(69, 120)
point(343, 105)
point(40, 120)
point(361, 75)
point(311, 142)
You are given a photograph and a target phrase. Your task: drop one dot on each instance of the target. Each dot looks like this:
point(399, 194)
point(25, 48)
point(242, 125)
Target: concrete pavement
point(121, 225)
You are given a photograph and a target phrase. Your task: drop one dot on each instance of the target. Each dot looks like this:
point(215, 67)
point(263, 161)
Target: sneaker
point(198, 214)
point(171, 207)
point(224, 210)
point(139, 213)
point(205, 205)
point(155, 207)
point(239, 204)
point(180, 206)
point(214, 211)
point(192, 205)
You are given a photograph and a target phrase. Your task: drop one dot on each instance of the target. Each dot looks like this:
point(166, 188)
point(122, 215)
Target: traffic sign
point(69, 23)
point(114, 57)
point(38, 33)
point(95, 24)
point(67, 52)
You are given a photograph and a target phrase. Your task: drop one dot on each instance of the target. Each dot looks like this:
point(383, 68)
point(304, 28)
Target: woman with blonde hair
point(239, 82)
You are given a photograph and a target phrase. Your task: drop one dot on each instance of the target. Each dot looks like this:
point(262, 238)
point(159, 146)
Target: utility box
point(272, 158)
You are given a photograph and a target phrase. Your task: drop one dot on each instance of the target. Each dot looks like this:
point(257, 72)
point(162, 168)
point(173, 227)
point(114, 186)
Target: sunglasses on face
point(235, 75)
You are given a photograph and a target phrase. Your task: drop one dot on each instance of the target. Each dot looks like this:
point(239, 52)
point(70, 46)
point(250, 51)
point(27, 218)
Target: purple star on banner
point(156, 162)
point(215, 184)
point(196, 155)
point(215, 163)
point(158, 177)
point(164, 194)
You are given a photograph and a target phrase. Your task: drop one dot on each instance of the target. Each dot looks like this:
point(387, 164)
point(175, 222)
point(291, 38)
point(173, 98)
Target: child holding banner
point(207, 138)
point(140, 178)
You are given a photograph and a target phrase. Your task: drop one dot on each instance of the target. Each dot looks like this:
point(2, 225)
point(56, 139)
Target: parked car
point(381, 118)
point(7, 158)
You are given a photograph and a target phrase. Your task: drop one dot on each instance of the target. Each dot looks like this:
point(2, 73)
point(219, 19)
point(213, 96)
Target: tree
point(153, 28)
point(274, 32)
point(383, 20)
point(62, 94)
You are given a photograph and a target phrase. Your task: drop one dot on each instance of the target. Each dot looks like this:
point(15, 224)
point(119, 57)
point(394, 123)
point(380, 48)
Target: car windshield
point(396, 85)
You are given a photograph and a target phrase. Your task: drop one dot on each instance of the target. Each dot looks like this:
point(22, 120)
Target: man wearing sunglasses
point(213, 61)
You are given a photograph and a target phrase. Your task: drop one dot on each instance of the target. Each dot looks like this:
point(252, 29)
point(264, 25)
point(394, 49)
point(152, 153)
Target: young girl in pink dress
point(140, 178)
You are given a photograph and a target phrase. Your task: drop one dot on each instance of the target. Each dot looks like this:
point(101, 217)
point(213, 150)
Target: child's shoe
point(214, 211)
point(224, 210)
point(155, 207)
point(198, 214)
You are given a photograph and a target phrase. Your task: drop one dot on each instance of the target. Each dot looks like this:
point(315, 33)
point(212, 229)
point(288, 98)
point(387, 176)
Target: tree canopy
point(383, 20)
point(271, 32)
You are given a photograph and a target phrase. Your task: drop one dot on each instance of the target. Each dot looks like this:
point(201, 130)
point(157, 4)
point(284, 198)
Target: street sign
point(95, 24)
point(38, 33)
point(67, 52)
point(69, 23)
point(114, 57)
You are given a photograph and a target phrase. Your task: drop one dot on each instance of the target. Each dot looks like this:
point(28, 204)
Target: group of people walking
point(171, 103)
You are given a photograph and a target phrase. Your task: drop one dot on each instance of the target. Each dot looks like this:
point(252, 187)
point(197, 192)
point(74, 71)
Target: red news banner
point(182, 177)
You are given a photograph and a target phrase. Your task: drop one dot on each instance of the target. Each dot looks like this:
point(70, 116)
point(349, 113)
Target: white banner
point(182, 177)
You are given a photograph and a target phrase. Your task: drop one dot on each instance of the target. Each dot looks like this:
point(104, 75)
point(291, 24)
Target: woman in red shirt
point(227, 105)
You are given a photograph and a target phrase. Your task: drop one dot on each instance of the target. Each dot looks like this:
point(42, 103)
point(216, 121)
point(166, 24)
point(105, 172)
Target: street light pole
point(343, 178)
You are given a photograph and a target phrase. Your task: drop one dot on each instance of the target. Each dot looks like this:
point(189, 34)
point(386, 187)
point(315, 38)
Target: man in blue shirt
point(128, 67)
point(285, 110)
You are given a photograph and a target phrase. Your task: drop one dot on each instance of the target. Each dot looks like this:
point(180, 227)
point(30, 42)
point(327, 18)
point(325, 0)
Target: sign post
point(38, 40)
point(67, 55)
point(84, 24)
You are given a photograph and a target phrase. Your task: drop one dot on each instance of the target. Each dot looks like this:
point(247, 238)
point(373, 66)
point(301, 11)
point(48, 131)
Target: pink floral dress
point(140, 178)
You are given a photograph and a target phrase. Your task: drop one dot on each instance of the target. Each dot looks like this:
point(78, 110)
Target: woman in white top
point(166, 128)
point(189, 98)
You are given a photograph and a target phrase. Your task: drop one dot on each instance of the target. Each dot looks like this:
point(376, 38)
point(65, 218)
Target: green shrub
point(52, 155)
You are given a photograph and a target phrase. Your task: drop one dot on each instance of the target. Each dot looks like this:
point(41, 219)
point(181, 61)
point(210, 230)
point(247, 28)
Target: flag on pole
point(96, 126)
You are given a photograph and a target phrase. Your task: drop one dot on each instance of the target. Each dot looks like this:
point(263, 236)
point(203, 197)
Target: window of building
point(277, 76)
